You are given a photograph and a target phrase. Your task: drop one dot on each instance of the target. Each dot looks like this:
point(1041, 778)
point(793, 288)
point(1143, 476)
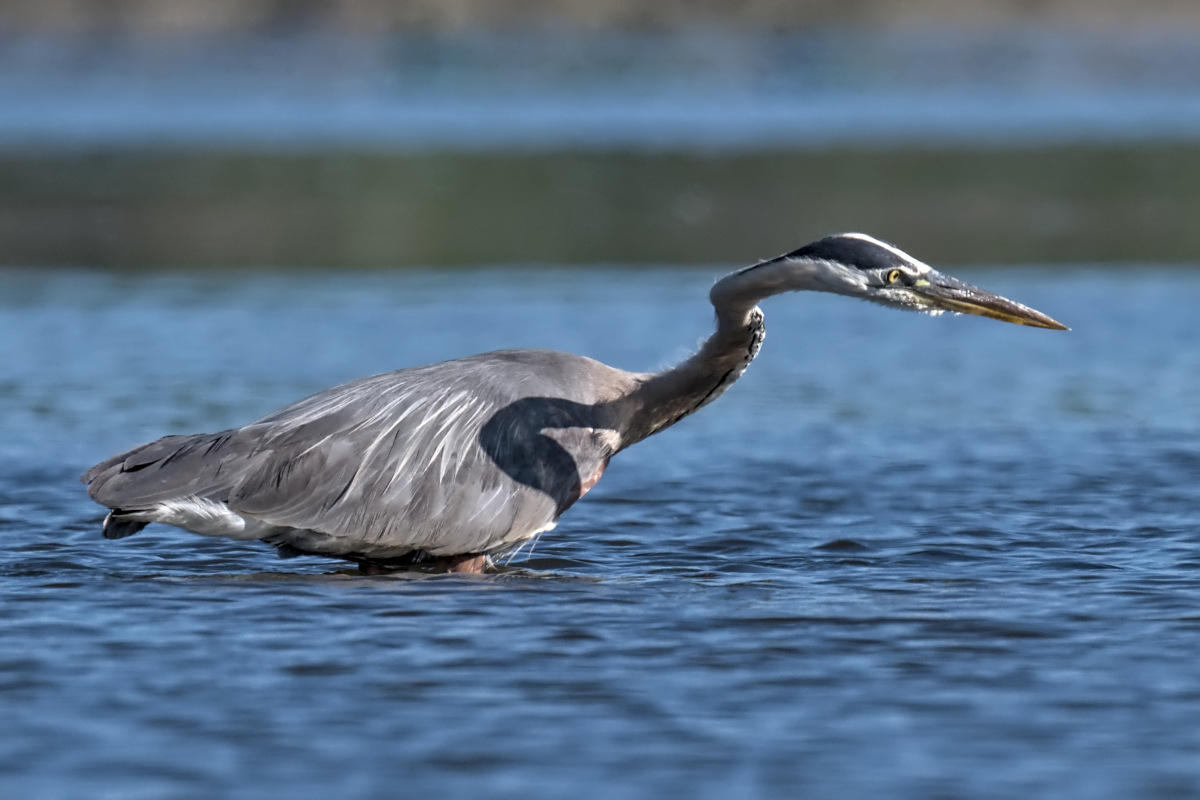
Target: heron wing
point(464, 456)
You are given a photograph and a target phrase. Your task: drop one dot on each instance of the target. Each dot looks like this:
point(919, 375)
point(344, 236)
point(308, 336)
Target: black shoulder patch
point(851, 251)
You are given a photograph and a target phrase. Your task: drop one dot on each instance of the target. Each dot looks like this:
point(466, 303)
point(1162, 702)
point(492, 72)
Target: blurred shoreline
point(314, 147)
point(144, 209)
point(156, 17)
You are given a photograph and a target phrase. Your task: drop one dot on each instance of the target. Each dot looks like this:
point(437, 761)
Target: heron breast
point(589, 482)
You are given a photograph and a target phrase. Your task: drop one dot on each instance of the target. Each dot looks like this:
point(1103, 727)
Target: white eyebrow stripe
point(920, 266)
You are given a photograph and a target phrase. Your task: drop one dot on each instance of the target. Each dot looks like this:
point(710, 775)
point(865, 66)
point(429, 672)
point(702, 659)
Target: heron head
point(861, 266)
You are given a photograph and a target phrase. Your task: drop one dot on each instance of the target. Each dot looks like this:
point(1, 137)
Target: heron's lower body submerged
point(463, 563)
point(467, 564)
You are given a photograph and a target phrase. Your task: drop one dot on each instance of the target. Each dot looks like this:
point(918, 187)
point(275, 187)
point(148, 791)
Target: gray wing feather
point(206, 464)
point(464, 456)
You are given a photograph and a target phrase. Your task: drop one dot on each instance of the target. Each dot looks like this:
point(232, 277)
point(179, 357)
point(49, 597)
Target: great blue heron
point(450, 464)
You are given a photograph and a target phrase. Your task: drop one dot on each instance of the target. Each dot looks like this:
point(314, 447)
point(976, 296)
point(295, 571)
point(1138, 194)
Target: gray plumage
point(475, 456)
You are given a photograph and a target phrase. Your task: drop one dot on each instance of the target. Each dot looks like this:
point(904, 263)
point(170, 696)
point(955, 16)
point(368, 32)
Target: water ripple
point(766, 600)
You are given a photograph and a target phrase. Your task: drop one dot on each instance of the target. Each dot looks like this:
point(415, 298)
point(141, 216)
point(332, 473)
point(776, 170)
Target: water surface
point(903, 556)
point(552, 89)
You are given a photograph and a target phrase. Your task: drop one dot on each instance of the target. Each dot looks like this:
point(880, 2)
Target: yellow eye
point(893, 276)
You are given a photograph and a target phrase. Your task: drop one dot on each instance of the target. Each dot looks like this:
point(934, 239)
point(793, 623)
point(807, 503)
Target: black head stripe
point(851, 251)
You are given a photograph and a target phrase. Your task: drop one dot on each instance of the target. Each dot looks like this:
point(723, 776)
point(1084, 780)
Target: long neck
point(664, 398)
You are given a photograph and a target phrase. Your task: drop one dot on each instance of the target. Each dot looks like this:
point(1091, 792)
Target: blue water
point(903, 557)
point(697, 90)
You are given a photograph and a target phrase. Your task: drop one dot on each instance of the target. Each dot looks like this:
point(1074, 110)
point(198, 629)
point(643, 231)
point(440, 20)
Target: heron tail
point(118, 526)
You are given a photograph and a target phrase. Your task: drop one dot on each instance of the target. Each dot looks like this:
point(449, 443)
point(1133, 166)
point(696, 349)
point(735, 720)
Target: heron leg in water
point(467, 563)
